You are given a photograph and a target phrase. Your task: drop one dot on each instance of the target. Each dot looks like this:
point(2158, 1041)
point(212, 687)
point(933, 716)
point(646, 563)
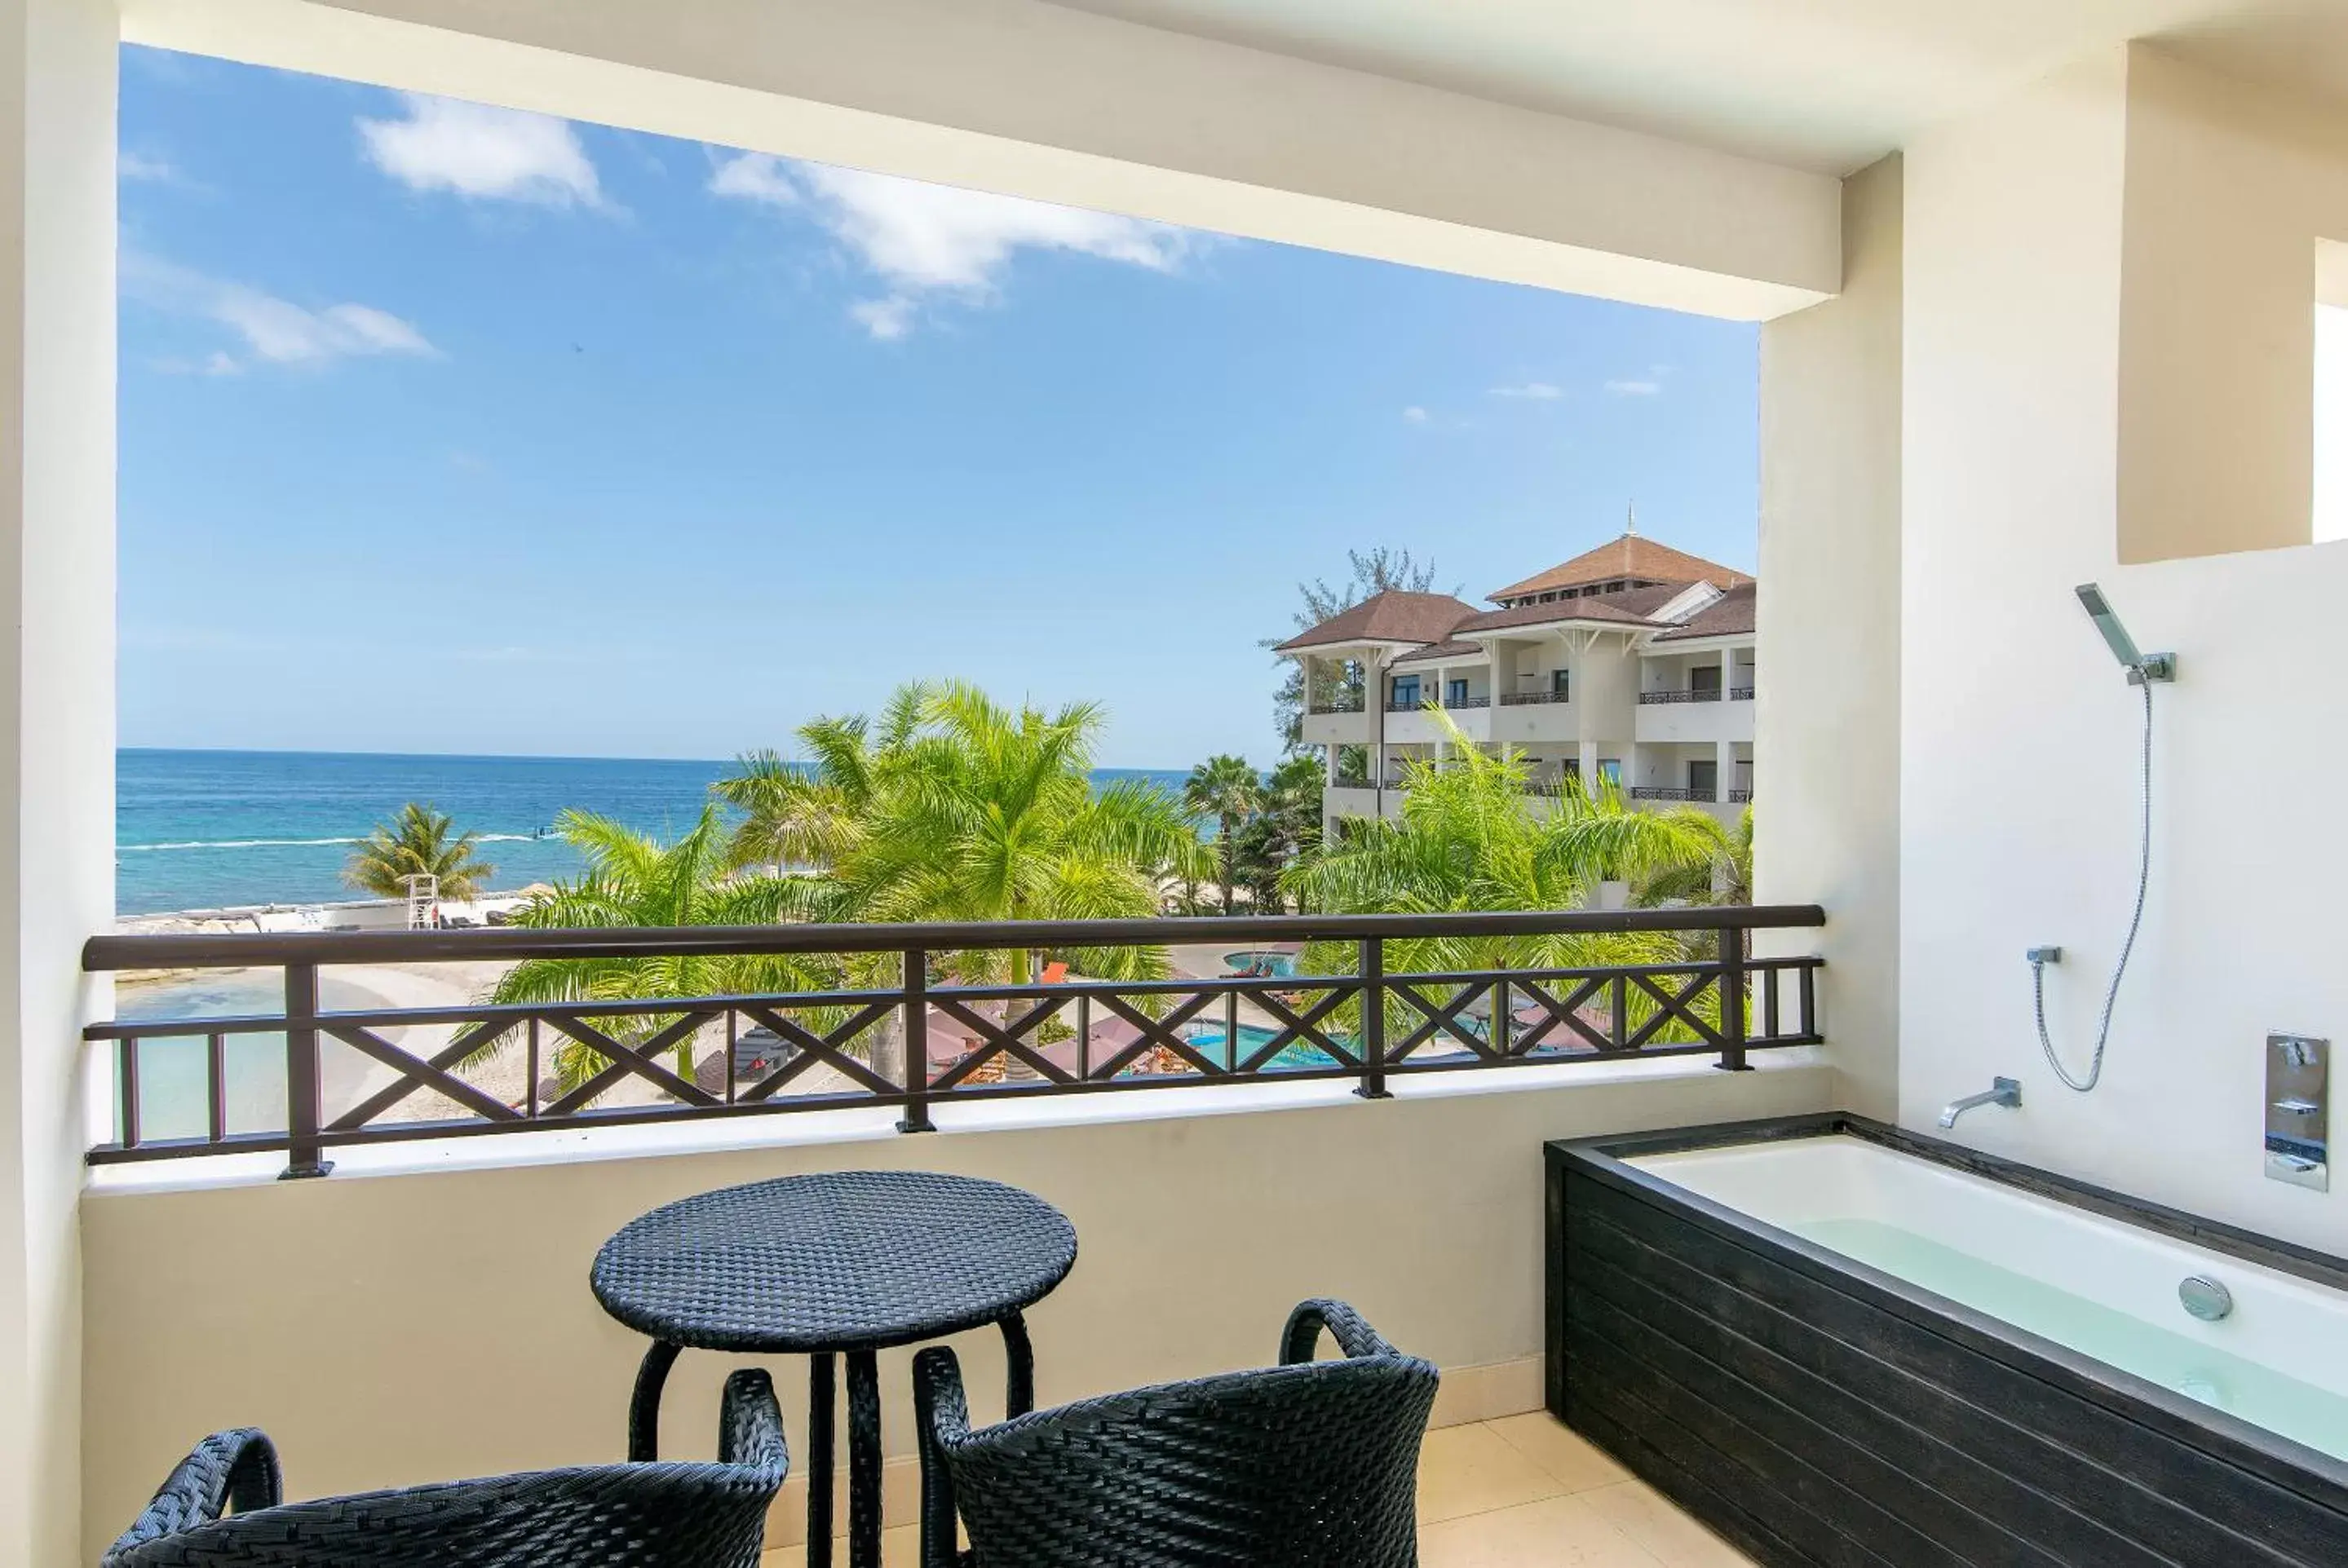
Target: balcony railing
point(951, 1041)
point(1740, 693)
point(1467, 701)
point(1688, 696)
point(1740, 797)
point(1658, 792)
point(1521, 699)
point(1338, 702)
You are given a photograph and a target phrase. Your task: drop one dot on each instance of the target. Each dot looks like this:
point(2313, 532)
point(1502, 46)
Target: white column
point(56, 680)
point(1329, 764)
point(1724, 770)
point(1589, 758)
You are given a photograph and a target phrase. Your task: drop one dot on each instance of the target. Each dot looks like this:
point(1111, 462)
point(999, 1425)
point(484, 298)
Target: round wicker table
point(843, 1264)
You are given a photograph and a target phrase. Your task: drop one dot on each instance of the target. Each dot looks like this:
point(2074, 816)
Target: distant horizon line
point(510, 757)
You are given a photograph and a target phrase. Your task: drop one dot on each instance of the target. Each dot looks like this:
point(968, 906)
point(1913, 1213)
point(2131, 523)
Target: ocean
point(206, 830)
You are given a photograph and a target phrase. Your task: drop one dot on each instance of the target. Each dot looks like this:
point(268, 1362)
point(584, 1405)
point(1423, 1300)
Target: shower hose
point(2136, 919)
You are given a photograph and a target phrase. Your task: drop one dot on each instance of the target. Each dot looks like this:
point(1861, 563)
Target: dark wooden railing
point(909, 1034)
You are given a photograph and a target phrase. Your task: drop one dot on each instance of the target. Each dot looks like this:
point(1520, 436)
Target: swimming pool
point(1264, 962)
point(1208, 1043)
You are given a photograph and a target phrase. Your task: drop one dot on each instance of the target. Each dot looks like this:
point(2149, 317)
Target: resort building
point(1632, 663)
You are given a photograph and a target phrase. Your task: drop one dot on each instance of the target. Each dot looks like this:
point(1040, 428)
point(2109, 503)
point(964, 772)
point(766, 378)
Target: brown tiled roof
point(1451, 649)
point(1392, 616)
point(1632, 607)
point(1730, 615)
point(1627, 556)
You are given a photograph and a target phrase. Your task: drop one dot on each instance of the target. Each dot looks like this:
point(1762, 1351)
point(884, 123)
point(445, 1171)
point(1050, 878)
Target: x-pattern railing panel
point(1069, 1036)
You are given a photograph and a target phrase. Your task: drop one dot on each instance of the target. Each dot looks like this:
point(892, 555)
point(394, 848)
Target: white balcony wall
point(1530, 723)
point(362, 1318)
point(1338, 729)
point(56, 666)
point(2108, 287)
point(1418, 727)
point(1348, 801)
point(1673, 723)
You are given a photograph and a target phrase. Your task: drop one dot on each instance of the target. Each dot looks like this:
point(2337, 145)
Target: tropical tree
point(1727, 880)
point(419, 842)
point(1285, 826)
point(815, 812)
point(1228, 790)
point(986, 814)
point(1371, 572)
point(1470, 839)
point(634, 880)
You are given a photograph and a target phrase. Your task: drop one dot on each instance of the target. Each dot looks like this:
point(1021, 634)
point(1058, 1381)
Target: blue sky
point(448, 429)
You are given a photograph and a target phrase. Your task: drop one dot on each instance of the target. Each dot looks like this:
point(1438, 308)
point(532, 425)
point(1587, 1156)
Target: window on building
point(1705, 677)
point(1455, 692)
point(1703, 778)
point(1610, 770)
point(1405, 690)
point(1560, 684)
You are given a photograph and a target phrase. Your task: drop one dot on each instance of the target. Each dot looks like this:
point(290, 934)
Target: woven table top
point(846, 1260)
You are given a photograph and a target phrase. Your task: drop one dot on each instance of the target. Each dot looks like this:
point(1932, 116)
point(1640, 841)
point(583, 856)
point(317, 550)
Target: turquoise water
point(2241, 1388)
point(204, 830)
point(1208, 1043)
point(171, 1071)
point(1268, 962)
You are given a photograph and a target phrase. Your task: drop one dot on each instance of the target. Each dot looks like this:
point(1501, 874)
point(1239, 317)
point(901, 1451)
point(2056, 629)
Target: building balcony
point(1337, 702)
point(1669, 717)
point(1337, 728)
point(449, 1197)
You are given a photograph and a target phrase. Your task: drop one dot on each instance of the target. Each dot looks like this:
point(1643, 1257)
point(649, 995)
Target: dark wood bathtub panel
point(1697, 1497)
point(1981, 1513)
point(2078, 1510)
point(1891, 1513)
point(1761, 1478)
point(2215, 1506)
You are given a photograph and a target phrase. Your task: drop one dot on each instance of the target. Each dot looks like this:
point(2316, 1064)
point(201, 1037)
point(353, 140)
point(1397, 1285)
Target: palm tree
point(1286, 826)
point(981, 813)
point(633, 880)
point(1727, 880)
point(417, 843)
point(1227, 789)
point(1468, 839)
point(814, 814)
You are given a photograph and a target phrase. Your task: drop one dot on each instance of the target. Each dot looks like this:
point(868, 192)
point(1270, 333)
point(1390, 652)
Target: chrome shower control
point(2298, 1130)
point(2204, 1298)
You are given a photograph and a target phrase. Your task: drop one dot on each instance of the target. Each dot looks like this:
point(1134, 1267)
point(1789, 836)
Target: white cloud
point(754, 177)
point(1537, 391)
point(130, 165)
point(1414, 415)
point(931, 241)
point(274, 331)
point(483, 153)
point(1648, 386)
point(887, 318)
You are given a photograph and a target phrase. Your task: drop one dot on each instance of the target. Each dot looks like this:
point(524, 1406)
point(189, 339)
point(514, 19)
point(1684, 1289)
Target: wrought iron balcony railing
point(1690, 695)
point(1740, 693)
point(908, 1033)
point(1659, 792)
point(1337, 702)
point(1521, 699)
point(1467, 701)
point(1740, 797)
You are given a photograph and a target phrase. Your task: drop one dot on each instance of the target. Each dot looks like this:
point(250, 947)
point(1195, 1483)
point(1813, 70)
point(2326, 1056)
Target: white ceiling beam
point(1036, 101)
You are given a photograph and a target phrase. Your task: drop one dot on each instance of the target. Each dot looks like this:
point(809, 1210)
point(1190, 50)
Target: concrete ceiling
point(1824, 85)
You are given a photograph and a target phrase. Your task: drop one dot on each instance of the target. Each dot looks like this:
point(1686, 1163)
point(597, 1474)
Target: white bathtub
point(2102, 1287)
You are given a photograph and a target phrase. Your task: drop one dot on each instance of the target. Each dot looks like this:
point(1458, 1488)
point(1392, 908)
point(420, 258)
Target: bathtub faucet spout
point(2001, 1091)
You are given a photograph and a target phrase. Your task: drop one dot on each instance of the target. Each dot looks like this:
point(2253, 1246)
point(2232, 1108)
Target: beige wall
point(56, 686)
point(1826, 710)
point(2023, 278)
point(390, 1329)
point(2229, 186)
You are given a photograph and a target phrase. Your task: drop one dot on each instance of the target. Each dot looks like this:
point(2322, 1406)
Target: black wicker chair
point(1309, 1464)
point(661, 1515)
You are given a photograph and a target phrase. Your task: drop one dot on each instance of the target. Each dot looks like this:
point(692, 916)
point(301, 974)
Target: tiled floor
point(1519, 1490)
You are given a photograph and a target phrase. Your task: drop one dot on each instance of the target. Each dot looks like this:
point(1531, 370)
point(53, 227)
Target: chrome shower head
point(2140, 667)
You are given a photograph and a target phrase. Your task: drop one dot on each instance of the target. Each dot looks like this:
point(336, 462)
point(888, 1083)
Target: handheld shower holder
point(2153, 669)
